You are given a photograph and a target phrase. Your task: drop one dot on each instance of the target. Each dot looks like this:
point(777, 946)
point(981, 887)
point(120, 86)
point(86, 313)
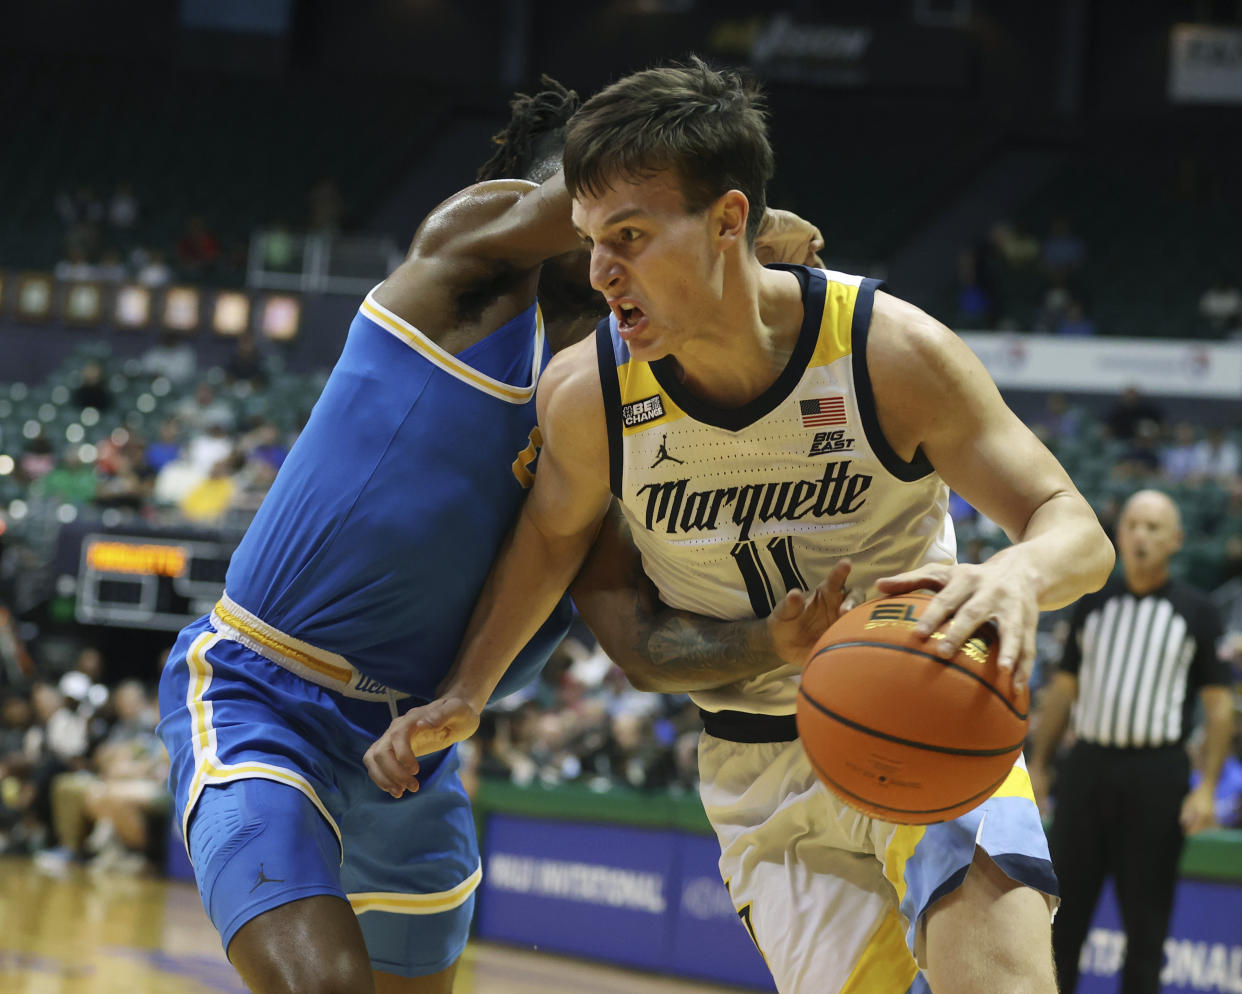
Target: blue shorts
point(275, 802)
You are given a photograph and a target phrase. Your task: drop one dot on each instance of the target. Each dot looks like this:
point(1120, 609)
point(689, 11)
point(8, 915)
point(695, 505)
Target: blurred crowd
point(1014, 279)
point(110, 239)
point(82, 773)
point(205, 458)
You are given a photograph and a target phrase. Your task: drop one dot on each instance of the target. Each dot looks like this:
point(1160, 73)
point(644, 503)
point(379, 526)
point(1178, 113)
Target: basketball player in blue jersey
point(347, 597)
point(808, 416)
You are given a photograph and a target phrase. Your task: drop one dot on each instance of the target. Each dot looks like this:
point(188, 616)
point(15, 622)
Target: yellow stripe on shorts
point(885, 964)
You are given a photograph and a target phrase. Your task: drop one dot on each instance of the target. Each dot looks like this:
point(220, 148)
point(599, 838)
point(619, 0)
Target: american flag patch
point(823, 411)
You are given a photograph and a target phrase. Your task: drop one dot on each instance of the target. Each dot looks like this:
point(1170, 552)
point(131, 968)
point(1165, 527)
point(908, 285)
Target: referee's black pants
point(1117, 815)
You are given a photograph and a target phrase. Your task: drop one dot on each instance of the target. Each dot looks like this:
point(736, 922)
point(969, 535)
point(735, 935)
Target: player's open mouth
point(629, 317)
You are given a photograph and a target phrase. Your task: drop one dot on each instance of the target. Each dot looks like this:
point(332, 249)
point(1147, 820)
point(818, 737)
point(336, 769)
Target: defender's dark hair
point(708, 126)
point(530, 145)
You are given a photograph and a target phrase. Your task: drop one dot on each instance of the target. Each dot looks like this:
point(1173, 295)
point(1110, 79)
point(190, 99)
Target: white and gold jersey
point(731, 508)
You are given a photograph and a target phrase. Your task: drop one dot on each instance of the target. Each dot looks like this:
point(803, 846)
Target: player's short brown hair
point(708, 126)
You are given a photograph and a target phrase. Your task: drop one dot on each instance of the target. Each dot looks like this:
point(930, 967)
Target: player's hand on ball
point(798, 621)
point(969, 596)
point(785, 237)
point(392, 759)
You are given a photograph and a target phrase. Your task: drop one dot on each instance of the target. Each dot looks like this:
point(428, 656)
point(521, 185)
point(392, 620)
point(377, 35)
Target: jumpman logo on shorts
point(265, 879)
point(662, 453)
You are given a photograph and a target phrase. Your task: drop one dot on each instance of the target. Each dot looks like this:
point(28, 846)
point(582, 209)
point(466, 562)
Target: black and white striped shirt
point(1140, 661)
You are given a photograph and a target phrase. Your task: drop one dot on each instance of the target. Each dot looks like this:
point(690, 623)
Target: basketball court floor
point(86, 934)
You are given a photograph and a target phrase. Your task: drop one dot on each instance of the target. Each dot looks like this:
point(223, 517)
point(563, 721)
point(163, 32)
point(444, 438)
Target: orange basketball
point(898, 732)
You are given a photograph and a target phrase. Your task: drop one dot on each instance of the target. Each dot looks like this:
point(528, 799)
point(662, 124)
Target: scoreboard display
point(135, 580)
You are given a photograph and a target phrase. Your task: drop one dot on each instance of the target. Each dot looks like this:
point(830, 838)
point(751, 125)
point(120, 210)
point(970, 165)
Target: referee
point(1137, 651)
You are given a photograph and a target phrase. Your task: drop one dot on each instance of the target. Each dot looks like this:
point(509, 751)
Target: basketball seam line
point(926, 655)
point(985, 793)
point(897, 740)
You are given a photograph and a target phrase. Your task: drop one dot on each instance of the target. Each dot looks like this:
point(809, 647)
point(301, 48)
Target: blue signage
point(1202, 955)
point(709, 940)
point(588, 890)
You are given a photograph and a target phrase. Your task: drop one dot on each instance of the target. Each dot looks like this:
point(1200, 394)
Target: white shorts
point(836, 900)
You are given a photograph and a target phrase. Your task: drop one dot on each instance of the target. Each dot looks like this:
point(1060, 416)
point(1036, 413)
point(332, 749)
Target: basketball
point(900, 733)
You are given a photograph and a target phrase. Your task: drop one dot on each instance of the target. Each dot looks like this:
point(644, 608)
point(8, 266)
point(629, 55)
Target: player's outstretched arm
point(662, 649)
point(933, 394)
point(534, 567)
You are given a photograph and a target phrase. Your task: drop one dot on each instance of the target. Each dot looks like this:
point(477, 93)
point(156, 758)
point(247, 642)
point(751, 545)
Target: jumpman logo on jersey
point(265, 879)
point(662, 453)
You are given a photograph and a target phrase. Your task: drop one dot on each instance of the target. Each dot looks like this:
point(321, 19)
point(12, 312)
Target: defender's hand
point(785, 237)
point(798, 621)
point(969, 596)
point(392, 759)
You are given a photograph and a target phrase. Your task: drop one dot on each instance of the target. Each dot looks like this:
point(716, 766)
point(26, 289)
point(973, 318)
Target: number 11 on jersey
point(750, 560)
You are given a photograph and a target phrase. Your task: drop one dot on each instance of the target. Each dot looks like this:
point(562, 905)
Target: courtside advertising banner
point(709, 939)
point(1202, 955)
point(598, 891)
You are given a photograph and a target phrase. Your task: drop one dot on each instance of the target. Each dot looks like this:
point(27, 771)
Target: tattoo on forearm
point(703, 652)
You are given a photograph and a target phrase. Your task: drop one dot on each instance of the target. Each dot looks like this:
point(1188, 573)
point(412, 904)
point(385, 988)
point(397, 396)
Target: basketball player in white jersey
point(757, 425)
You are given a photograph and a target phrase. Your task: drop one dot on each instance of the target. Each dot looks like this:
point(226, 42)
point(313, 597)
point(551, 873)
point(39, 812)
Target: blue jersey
point(383, 522)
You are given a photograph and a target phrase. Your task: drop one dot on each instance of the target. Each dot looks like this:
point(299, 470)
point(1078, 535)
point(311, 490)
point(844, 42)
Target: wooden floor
point(85, 934)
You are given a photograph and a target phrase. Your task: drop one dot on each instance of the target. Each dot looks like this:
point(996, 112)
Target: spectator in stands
point(278, 253)
point(1179, 459)
point(246, 364)
point(92, 391)
point(38, 458)
point(175, 481)
point(115, 796)
point(214, 496)
point(123, 209)
point(262, 443)
point(203, 410)
point(80, 206)
point(1074, 321)
point(1016, 248)
point(125, 479)
point(1219, 307)
point(1141, 458)
point(16, 665)
point(1063, 252)
point(1130, 410)
point(1053, 305)
point(210, 447)
point(167, 445)
point(1217, 458)
point(636, 757)
point(198, 250)
point(974, 303)
point(1058, 421)
point(172, 357)
point(70, 482)
point(16, 717)
point(153, 271)
point(57, 742)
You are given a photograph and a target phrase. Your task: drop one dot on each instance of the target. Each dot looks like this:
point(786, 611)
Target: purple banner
point(1202, 955)
point(588, 890)
point(709, 940)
